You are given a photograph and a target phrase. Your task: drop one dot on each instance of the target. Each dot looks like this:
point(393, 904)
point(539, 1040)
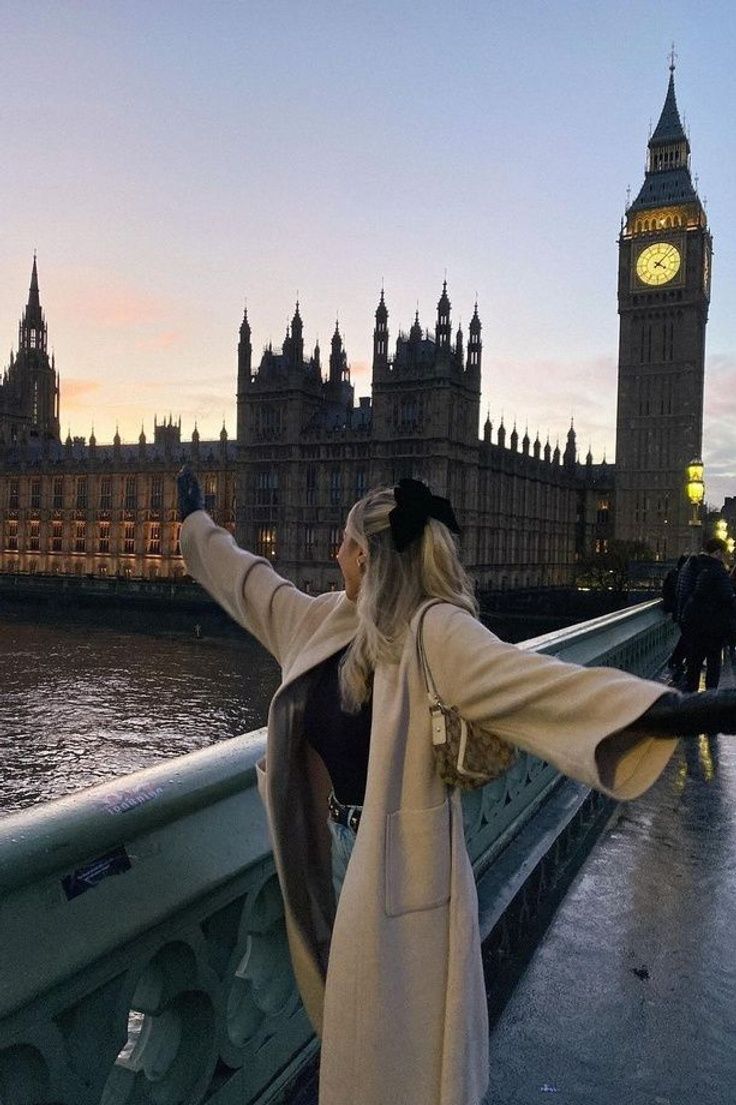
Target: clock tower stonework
point(663, 294)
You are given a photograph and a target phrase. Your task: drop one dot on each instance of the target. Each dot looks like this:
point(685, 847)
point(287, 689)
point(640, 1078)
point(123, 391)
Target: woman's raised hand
point(190, 493)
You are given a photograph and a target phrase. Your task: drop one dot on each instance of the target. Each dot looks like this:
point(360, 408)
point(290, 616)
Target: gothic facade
point(29, 390)
point(304, 452)
point(665, 251)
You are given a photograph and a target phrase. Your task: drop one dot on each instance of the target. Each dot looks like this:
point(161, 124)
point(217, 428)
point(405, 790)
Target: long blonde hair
point(393, 587)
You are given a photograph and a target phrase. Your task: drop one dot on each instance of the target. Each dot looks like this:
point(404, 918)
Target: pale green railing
point(143, 958)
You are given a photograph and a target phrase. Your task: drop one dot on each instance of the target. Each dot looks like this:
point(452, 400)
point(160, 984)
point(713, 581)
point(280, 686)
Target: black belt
point(349, 816)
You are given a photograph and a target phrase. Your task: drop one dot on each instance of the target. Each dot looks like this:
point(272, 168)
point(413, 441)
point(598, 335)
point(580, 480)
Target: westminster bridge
point(143, 956)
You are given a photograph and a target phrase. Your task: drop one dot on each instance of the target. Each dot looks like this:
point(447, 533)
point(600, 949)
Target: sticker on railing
point(120, 801)
point(91, 875)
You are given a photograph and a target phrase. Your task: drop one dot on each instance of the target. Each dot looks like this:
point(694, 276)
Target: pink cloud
point(165, 339)
point(106, 300)
point(74, 389)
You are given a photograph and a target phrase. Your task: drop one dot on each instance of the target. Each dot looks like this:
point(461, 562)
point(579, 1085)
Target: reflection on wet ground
point(82, 703)
point(630, 999)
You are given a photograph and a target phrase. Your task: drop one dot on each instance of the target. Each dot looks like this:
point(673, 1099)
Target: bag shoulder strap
point(423, 662)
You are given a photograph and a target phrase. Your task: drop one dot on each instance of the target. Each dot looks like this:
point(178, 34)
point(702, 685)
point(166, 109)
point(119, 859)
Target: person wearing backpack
point(708, 615)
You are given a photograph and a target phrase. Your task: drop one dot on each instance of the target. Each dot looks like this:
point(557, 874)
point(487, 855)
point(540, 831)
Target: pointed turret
point(502, 434)
point(442, 330)
point(415, 334)
point(475, 345)
point(547, 451)
point(669, 128)
point(380, 336)
point(459, 348)
point(339, 372)
point(487, 429)
point(570, 447)
point(32, 329)
point(514, 439)
point(245, 375)
point(525, 442)
point(33, 308)
point(667, 179)
point(537, 447)
point(297, 338)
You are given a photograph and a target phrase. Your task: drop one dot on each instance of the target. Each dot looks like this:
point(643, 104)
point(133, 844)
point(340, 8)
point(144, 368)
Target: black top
point(342, 740)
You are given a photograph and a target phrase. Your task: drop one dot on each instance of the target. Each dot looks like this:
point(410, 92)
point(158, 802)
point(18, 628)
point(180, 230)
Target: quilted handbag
point(466, 755)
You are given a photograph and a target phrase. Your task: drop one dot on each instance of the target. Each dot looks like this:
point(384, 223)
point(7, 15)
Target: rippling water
point(81, 703)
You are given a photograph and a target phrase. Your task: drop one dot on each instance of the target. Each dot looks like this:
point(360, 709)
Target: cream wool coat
point(401, 1005)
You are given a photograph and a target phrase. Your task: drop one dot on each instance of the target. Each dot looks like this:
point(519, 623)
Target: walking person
point(676, 661)
point(708, 615)
point(368, 841)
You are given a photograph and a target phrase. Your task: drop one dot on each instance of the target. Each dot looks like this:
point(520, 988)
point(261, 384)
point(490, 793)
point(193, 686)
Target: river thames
point(83, 702)
point(90, 695)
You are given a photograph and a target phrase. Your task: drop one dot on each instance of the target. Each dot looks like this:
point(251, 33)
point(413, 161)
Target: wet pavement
point(630, 998)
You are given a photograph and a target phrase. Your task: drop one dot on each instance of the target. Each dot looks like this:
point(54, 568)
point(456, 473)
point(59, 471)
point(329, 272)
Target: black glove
point(190, 493)
point(684, 715)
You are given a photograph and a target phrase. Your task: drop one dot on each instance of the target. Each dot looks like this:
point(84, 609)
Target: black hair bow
point(415, 503)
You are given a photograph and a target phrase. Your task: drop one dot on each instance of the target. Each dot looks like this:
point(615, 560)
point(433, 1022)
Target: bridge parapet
point(142, 949)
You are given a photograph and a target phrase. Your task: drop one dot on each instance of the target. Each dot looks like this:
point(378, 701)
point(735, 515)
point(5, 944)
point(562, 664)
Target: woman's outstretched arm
point(591, 723)
point(246, 586)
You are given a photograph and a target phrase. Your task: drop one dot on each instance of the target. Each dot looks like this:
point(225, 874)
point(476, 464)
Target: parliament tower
point(663, 295)
point(29, 390)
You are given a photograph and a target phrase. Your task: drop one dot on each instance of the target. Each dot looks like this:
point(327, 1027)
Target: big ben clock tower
point(663, 294)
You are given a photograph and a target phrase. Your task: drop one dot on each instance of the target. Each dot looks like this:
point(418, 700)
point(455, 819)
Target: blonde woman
point(349, 776)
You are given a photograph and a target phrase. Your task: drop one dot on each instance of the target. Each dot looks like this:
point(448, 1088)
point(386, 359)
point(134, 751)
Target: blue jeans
point(343, 840)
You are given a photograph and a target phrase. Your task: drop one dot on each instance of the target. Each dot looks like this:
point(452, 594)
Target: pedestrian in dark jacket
point(708, 614)
point(676, 661)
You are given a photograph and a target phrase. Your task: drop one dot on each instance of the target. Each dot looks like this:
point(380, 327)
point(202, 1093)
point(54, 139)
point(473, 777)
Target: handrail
point(59, 833)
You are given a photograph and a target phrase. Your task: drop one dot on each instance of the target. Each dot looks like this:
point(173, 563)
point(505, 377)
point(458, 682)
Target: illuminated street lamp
point(695, 493)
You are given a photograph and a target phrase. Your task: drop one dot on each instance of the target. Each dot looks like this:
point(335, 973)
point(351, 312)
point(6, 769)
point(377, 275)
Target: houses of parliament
point(304, 451)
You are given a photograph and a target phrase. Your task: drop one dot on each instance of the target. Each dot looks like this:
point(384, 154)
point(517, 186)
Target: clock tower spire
point(663, 295)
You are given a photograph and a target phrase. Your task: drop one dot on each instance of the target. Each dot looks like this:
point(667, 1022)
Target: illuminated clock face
point(706, 269)
point(658, 263)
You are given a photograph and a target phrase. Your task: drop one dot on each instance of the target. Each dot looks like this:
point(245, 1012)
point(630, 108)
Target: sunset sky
point(169, 160)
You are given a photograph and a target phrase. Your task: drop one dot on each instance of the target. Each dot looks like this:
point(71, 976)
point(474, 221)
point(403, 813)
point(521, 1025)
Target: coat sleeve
point(246, 586)
point(573, 717)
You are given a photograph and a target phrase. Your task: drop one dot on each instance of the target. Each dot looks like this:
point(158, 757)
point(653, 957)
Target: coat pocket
point(417, 859)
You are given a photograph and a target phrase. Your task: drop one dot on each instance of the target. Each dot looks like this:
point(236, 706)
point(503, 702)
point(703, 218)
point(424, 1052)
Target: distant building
point(664, 274)
point(304, 453)
point(79, 508)
point(29, 390)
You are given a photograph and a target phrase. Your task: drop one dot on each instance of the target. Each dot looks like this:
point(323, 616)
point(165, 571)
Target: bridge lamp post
point(695, 493)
